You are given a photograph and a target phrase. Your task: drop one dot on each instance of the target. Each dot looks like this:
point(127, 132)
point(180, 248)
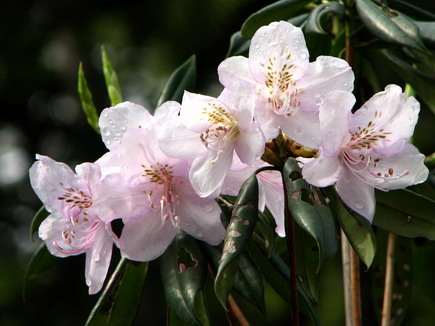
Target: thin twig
point(355, 288)
point(389, 275)
point(291, 248)
point(345, 257)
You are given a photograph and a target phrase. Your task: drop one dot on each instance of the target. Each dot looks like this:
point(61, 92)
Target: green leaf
point(238, 45)
point(41, 261)
point(420, 80)
point(40, 216)
point(112, 83)
point(423, 262)
point(427, 32)
point(201, 313)
point(86, 100)
point(390, 26)
point(280, 10)
point(264, 228)
point(314, 218)
point(183, 270)
point(184, 78)
point(120, 299)
point(408, 7)
point(402, 277)
point(319, 14)
point(357, 228)
point(405, 213)
point(239, 232)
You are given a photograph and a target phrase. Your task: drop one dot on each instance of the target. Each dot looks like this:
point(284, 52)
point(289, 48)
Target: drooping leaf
point(111, 78)
point(357, 228)
point(200, 310)
point(86, 100)
point(402, 277)
point(264, 228)
point(121, 296)
point(427, 32)
point(239, 232)
point(238, 45)
point(421, 81)
point(183, 269)
point(280, 10)
point(183, 78)
point(389, 25)
point(40, 216)
point(41, 261)
point(405, 213)
point(315, 21)
point(313, 217)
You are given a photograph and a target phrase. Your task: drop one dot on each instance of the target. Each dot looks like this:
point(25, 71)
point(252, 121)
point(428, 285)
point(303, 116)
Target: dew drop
point(106, 132)
point(359, 204)
point(257, 46)
point(299, 130)
point(303, 55)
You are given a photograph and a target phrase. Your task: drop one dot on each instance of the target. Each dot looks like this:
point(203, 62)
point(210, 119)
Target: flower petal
point(322, 172)
point(167, 111)
point(115, 121)
point(302, 127)
point(98, 260)
point(250, 145)
point(356, 194)
point(50, 231)
point(234, 68)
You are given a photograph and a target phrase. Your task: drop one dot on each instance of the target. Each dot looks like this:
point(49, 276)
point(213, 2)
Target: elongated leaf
point(120, 299)
point(421, 81)
point(402, 278)
point(357, 229)
point(405, 213)
point(314, 218)
point(267, 232)
point(200, 311)
point(280, 10)
point(390, 26)
point(40, 215)
point(41, 261)
point(239, 232)
point(238, 45)
point(427, 32)
point(315, 20)
point(86, 100)
point(184, 78)
point(111, 78)
point(183, 269)
point(408, 7)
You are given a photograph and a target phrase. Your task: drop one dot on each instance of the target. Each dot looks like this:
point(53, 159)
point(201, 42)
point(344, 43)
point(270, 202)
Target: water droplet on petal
point(359, 204)
point(303, 55)
point(299, 130)
point(106, 132)
point(257, 46)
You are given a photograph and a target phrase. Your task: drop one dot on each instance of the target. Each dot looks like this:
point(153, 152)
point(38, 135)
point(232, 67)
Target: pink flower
point(368, 149)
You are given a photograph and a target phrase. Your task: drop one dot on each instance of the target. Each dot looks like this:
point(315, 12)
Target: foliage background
point(41, 45)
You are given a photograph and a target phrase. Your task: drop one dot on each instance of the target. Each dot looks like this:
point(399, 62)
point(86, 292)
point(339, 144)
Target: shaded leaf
point(357, 228)
point(238, 45)
point(267, 232)
point(421, 81)
point(423, 261)
point(409, 7)
point(86, 100)
point(111, 78)
point(121, 296)
point(40, 216)
point(183, 270)
point(319, 14)
point(390, 26)
point(402, 278)
point(280, 10)
point(427, 32)
point(183, 78)
point(239, 232)
point(405, 213)
point(314, 218)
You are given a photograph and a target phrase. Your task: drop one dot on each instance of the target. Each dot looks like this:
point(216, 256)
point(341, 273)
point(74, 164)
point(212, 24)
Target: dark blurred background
point(41, 45)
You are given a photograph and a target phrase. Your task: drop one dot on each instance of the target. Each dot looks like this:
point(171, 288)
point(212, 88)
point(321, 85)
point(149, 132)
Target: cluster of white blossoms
point(164, 172)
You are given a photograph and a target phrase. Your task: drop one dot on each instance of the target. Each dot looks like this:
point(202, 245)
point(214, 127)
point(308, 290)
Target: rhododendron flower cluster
point(163, 172)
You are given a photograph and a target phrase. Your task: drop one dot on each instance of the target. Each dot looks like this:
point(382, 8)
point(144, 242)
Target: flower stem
point(389, 275)
point(291, 248)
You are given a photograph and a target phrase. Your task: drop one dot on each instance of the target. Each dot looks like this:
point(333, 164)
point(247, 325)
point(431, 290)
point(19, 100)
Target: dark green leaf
point(314, 218)
point(390, 26)
point(280, 10)
point(238, 45)
point(402, 277)
point(357, 228)
point(120, 299)
point(427, 32)
point(183, 270)
point(423, 254)
point(319, 14)
point(40, 215)
point(239, 232)
point(112, 83)
point(421, 81)
point(408, 7)
point(41, 261)
point(86, 100)
point(299, 20)
point(405, 213)
point(184, 78)
point(200, 311)
point(267, 232)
